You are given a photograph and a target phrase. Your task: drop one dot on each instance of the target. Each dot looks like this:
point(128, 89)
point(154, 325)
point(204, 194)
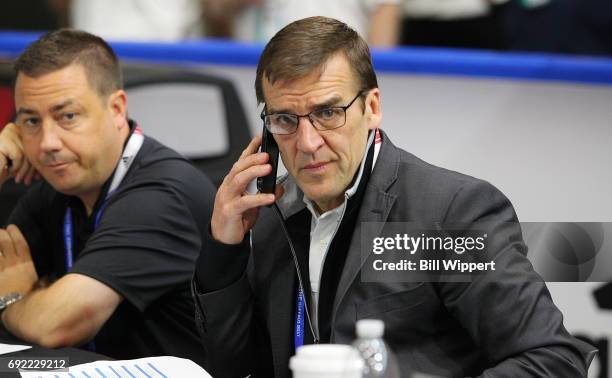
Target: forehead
point(334, 78)
point(68, 81)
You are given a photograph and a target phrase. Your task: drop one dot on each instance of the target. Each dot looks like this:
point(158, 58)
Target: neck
point(89, 200)
point(325, 206)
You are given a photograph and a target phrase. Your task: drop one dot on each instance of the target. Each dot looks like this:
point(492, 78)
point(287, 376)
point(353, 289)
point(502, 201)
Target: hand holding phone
point(235, 211)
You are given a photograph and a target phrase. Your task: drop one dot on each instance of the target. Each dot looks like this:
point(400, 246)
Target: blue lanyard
point(68, 239)
point(299, 320)
point(69, 234)
point(127, 158)
point(69, 247)
point(130, 151)
point(298, 336)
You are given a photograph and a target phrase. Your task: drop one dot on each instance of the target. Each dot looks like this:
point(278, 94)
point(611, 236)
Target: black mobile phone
point(267, 184)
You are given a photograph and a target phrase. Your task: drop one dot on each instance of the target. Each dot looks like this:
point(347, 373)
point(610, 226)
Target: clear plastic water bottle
point(378, 358)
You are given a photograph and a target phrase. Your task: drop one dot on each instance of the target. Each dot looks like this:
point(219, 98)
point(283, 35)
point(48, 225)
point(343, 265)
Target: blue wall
point(426, 61)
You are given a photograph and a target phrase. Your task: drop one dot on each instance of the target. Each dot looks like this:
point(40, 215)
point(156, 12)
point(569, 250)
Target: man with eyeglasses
point(253, 287)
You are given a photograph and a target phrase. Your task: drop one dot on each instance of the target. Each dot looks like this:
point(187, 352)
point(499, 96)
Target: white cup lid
point(370, 328)
point(325, 350)
point(326, 358)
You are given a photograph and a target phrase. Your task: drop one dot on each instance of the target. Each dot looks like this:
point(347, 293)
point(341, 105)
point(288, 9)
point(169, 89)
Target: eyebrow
point(21, 111)
point(332, 101)
point(54, 108)
point(60, 106)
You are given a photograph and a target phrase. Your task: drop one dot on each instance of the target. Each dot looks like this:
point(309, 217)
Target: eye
point(31, 121)
point(283, 119)
point(30, 124)
point(69, 116)
point(328, 114)
point(68, 119)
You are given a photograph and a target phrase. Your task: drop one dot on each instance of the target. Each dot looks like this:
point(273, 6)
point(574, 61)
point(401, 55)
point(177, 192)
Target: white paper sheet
point(10, 348)
point(152, 367)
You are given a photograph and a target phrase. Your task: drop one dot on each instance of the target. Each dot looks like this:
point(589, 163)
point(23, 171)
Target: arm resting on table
point(69, 312)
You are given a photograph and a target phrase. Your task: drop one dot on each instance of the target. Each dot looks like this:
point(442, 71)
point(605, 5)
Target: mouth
point(315, 167)
point(57, 166)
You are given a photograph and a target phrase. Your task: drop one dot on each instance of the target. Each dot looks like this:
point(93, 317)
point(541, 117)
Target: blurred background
point(517, 92)
point(558, 26)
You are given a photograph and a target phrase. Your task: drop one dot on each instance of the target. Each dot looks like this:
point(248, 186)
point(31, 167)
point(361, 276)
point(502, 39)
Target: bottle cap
point(370, 328)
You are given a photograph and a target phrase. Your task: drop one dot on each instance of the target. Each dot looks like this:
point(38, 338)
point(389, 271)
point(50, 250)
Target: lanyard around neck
point(301, 315)
point(127, 158)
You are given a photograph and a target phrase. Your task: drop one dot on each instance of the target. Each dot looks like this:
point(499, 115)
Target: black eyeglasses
point(322, 119)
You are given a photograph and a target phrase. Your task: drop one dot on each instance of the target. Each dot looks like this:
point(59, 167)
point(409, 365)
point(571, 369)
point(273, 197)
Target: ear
point(117, 103)
point(373, 112)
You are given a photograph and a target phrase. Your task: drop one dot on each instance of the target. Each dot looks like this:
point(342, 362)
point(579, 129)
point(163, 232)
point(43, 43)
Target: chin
point(319, 195)
point(313, 191)
point(66, 188)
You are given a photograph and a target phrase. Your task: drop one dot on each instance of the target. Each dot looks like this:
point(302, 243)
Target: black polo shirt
point(145, 248)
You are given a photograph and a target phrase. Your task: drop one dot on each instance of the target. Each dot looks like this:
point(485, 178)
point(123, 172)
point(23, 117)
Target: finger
point(6, 246)
point(22, 249)
point(8, 154)
point(3, 159)
point(12, 147)
point(248, 161)
point(29, 176)
point(252, 147)
point(4, 171)
point(246, 158)
point(245, 203)
point(240, 166)
point(240, 181)
point(23, 170)
point(16, 159)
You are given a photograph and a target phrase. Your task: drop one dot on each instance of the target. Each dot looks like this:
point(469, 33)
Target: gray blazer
point(502, 327)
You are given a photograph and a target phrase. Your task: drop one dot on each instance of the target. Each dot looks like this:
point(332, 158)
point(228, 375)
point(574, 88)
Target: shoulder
point(442, 193)
point(162, 166)
point(156, 159)
point(166, 181)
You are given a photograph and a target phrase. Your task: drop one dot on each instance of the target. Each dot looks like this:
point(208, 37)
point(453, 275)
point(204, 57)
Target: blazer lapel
point(376, 205)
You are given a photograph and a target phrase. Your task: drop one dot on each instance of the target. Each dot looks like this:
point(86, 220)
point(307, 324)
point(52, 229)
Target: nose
point(50, 141)
point(308, 138)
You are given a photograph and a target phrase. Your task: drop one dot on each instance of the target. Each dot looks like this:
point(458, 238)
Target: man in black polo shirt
point(114, 229)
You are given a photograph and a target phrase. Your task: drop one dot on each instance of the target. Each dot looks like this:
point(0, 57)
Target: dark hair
point(61, 48)
point(305, 45)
